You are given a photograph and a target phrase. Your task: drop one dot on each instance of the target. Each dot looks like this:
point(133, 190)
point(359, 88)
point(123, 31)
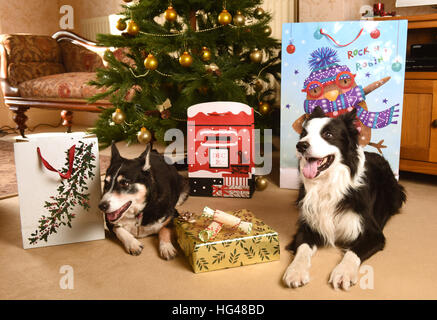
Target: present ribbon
point(240, 169)
point(70, 163)
point(224, 189)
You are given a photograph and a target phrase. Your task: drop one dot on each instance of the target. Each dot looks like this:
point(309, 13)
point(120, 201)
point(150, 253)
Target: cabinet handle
point(434, 123)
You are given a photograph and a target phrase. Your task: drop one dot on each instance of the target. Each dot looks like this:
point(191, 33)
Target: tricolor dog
point(139, 199)
point(345, 199)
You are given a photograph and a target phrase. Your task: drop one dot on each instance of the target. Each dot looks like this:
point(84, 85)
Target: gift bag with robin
point(341, 66)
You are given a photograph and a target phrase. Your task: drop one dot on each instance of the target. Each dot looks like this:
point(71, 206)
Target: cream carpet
point(103, 270)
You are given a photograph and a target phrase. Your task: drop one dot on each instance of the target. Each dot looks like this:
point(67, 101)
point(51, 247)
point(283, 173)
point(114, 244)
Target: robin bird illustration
point(333, 88)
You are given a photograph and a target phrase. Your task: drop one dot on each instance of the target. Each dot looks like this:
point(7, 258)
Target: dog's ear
point(350, 116)
point(115, 154)
point(317, 113)
point(349, 120)
point(145, 156)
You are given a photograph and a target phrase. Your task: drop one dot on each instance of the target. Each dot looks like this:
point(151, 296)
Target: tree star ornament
point(118, 116)
point(121, 25)
point(239, 19)
point(261, 183)
point(132, 28)
point(144, 136)
point(170, 14)
point(224, 17)
point(264, 108)
point(186, 59)
point(205, 54)
point(256, 56)
point(151, 63)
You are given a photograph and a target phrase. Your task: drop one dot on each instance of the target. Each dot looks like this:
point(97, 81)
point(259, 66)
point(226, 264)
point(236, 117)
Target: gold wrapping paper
point(231, 247)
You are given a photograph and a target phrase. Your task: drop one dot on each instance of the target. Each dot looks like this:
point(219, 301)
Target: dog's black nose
point(104, 206)
point(302, 146)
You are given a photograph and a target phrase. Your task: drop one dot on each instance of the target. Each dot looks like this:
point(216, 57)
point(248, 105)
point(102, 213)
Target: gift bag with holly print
point(341, 66)
point(58, 179)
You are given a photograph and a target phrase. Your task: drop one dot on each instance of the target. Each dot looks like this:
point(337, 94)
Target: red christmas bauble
point(291, 48)
point(375, 34)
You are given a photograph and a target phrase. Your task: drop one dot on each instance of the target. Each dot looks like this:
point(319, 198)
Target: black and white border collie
point(345, 199)
point(139, 199)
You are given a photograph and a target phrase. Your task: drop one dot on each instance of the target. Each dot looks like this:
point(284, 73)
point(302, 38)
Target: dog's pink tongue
point(111, 216)
point(310, 169)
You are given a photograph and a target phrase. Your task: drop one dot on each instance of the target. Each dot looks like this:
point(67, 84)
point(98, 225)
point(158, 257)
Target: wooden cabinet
point(419, 127)
point(419, 119)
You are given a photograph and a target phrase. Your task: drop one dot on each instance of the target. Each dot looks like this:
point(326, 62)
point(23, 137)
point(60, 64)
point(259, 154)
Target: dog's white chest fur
point(331, 225)
point(319, 206)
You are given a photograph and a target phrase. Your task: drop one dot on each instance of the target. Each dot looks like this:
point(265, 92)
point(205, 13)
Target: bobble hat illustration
point(332, 87)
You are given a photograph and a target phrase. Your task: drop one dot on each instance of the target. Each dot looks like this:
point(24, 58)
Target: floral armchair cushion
point(72, 85)
point(31, 56)
point(31, 48)
point(23, 71)
point(79, 59)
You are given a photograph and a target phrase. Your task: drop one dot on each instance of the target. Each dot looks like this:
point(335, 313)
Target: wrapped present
point(230, 191)
point(231, 247)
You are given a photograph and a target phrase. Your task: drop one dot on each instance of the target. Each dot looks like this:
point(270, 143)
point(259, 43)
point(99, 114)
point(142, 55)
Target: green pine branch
point(230, 47)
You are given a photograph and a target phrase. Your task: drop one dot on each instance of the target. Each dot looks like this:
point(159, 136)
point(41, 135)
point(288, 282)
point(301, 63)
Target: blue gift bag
point(341, 66)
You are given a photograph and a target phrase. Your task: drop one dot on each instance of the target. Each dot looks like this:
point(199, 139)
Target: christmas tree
point(180, 53)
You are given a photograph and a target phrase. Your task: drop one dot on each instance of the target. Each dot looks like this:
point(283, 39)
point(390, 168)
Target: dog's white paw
point(296, 276)
point(134, 247)
point(167, 251)
point(344, 276)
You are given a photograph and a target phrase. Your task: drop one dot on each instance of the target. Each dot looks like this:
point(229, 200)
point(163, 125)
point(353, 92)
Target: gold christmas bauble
point(186, 59)
point(151, 63)
point(239, 19)
point(107, 55)
point(264, 108)
point(256, 56)
point(224, 17)
point(170, 14)
point(118, 116)
point(267, 31)
point(132, 28)
point(261, 183)
point(144, 136)
point(258, 86)
point(258, 13)
point(205, 54)
point(121, 25)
